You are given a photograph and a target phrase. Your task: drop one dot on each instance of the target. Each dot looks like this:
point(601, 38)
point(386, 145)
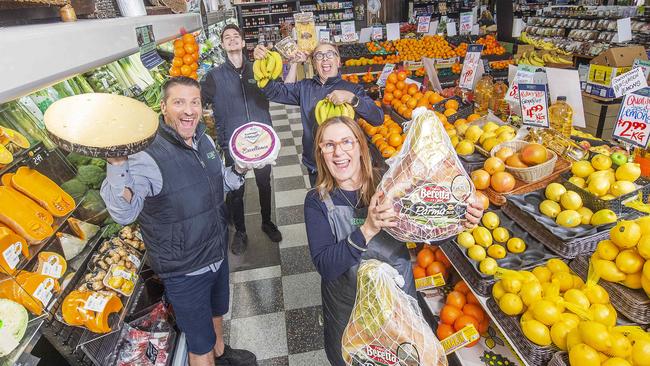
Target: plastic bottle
point(498, 104)
point(483, 95)
point(561, 116)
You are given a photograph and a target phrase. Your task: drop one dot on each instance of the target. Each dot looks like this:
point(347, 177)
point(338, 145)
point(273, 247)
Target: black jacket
point(235, 99)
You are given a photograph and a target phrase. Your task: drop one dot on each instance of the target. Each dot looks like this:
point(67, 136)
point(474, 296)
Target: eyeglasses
point(320, 56)
point(329, 147)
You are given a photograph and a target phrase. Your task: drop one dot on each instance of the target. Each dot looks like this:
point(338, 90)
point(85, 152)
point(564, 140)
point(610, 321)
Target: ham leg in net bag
point(386, 326)
point(427, 184)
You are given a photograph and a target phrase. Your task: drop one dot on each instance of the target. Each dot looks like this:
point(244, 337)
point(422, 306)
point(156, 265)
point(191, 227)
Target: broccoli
point(91, 175)
point(111, 230)
point(78, 160)
point(98, 162)
point(75, 188)
point(93, 202)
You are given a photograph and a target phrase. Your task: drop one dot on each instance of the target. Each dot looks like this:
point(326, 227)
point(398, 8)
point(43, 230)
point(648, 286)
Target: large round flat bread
point(101, 125)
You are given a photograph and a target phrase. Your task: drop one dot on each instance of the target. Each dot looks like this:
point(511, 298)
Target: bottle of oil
point(498, 104)
point(561, 116)
point(483, 95)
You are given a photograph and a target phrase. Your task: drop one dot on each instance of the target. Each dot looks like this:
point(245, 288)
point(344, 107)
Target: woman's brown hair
point(325, 183)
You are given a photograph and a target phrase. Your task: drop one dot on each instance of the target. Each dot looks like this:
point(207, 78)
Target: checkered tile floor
point(276, 304)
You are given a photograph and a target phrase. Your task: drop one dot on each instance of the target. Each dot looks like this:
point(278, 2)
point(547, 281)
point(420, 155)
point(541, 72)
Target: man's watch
point(355, 101)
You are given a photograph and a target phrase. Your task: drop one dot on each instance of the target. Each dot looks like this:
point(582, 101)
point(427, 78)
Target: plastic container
point(132, 8)
point(306, 31)
point(483, 95)
point(561, 116)
point(254, 144)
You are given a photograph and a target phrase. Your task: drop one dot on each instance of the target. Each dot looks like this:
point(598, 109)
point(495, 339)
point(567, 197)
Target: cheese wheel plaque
point(101, 125)
point(254, 144)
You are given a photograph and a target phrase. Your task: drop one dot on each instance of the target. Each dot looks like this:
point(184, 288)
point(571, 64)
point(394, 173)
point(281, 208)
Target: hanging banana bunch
point(269, 68)
point(325, 110)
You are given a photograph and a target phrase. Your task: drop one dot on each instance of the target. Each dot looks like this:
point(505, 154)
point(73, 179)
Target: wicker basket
point(533, 173)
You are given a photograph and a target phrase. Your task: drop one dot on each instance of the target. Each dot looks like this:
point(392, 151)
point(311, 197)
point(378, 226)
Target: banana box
point(607, 65)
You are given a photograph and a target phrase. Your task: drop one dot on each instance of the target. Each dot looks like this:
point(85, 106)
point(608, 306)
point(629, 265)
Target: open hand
point(299, 57)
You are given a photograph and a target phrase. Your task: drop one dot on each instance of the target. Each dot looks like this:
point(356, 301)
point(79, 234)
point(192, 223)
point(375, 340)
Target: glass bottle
point(498, 104)
point(482, 95)
point(560, 115)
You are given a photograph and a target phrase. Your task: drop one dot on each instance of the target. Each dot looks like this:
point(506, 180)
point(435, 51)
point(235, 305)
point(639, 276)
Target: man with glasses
point(327, 83)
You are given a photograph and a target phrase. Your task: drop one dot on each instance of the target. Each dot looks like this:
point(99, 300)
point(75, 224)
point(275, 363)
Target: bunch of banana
point(325, 110)
point(541, 44)
point(530, 58)
point(555, 59)
point(269, 68)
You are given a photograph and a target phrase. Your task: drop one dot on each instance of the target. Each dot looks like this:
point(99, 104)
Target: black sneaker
point(236, 357)
point(272, 232)
point(239, 243)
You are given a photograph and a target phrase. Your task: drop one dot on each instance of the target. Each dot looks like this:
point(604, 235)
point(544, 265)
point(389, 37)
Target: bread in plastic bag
point(386, 326)
point(427, 183)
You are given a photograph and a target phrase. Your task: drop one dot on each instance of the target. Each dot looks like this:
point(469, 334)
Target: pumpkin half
point(20, 219)
point(75, 310)
point(27, 202)
point(11, 242)
point(51, 264)
point(43, 190)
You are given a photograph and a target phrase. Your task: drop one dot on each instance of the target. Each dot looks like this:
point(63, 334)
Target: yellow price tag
point(578, 310)
point(507, 273)
point(592, 274)
point(460, 339)
point(436, 280)
point(411, 245)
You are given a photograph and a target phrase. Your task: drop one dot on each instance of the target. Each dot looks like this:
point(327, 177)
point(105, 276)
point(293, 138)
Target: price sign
point(629, 82)
point(534, 110)
point(44, 291)
point(423, 23)
point(465, 23)
point(471, 66)
point(147, 44)
point(377, 33)
point(633, 122)
point(524, 75)
point(348, 31)
point(11, 255)
point(644, 65)
point(388, 68)
point(96, 302)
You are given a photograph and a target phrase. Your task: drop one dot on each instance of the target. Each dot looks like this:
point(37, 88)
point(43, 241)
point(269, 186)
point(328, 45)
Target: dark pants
point(312, 178)
point(235, 199)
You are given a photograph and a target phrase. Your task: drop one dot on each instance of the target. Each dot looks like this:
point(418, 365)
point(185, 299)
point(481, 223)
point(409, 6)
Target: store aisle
point(275, 292)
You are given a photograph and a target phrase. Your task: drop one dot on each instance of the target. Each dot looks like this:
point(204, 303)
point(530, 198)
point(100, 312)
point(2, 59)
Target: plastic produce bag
point(386, 326)
point(427, 184)
point(146, 341)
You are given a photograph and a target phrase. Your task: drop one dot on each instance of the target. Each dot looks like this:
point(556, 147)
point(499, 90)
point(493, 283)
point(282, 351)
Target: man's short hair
point(178, 80)
point(232, 26)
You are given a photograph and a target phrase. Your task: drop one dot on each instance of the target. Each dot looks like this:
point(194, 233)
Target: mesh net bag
point(427, 183)
point(386, 326)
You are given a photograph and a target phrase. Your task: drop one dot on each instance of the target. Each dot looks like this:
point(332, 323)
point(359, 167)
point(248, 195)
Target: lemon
point(644, 222)
point(622, 187)
point(570, 319)
point(542, 273)
point(516, 245)
point(616, 361)
point(641, 352)
point(556, 265)
point(629, 261)
point(573, 338)
point(646, 270)
point(497, 290)
point(581, 354)
point(577, 282)
point(465, 147)
point(643, 246)
point(511, 304)
point(601, 162)
point(511, 285)
point(559, 332)
point(628, 171)
point(550, 208)
point(625, 234)
point(578, 182)
point(570, 200)
point(575, 296)
point(528, 277)
point(465, 239)
point(607, 175)
point(490, 220)
point(595, 335)
point(536, 332)
point(554, 191)
point(645, 283)
point(599, 186)
point(496, 251)
point(633, 281)
point(602, 217)
point(490, 126)
point(607, 197)
point(608, 270)
point(606, 249)
point(490, 143)
point(473, 133)
point(546, 312)
point(596, 294)
point(568, 218)
point(621, 346)
point(526, 316)
point(482, 236)
point(582, 168)
point(488, 266)
point(501, 235)
point(476, 252)
point(455, 140)
point(531, 293)
point(462, 128)
point(585, 214)
point(564, 279)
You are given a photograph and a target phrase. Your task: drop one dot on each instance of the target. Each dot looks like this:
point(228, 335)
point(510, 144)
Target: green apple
point(619, 158)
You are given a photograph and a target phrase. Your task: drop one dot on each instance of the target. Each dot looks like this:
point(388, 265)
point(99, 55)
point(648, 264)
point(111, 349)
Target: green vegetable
point(75, 188)
point(91, 175)
point(83, 84)
point(14, 115)
point(93, 202)
point(14, 320)
point(111, 230)
point(98, 162)
point(78, 160)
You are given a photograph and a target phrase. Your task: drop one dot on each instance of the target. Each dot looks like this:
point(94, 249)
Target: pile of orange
point(389, 46)
point(491, 45)
point(431, 261)
point(420, 71)
point(186, 57)
point(456, 68)
point(461, 309)
point(368, 77)
point(373, 46)
point(388, 138)
point(461, 49)
point(493, 175)
point(500, 65)
point(411, 49)
point(353, 78)
point(405, 97)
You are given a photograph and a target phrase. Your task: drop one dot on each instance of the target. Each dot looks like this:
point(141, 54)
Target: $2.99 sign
point(633, 122)
point(534, 110)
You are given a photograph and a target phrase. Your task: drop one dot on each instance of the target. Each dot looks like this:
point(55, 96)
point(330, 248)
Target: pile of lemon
point(556, 307)
point(488, 242)
point(489, 136)
point(625, 257)
point(566, 207)
point(599, 177)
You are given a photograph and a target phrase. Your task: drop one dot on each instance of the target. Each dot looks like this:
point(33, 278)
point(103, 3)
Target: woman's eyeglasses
point(328, 147)
point(320, 56)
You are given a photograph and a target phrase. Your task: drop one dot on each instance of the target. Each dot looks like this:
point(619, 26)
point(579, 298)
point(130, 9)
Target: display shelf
point(26, 343)
point(96, 42)
point(261, 3)
point(27, 155)
point(219, 16)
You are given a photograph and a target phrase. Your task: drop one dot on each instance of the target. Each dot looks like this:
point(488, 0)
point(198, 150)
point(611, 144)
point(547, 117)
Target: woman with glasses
point(344, 217)
point(327, 83)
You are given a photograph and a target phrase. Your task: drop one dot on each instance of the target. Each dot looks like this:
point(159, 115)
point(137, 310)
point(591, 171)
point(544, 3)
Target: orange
point(376, 137)
point(451, 104)
point(372, 130)
point(402, 110)
point(194, 66)
point(483, 199)
point(435, 268)
point(400, 85)
point(187, 59)
point(444, 331)
point(389, 88)
point(408, 114)
point(401, 75)
point(188, 38)
point(450, 112)
point(471, 299)
point(387, 152)
point(174, 71)
point(395, 128)
point(418, 96)
point(423, 102)
point(459, 122)
point(480, 178)
point(425, 257)
point(388, 98)
point(462, 288)
point(179, 52)
point(412, 103)
point(449, 314)
point(382, 130)
point(465, 320)
point(412, 89)
point(456, 299)
point(178, 43)
point(483, 326)
point(194, 75)
point(473, 117)
point(398, 93)
point(190, 47)
point(474, 311)
point(195, 56)
point(382, 145)
point(435, 98)
point(394, 140)
point(392, 79)
point(405, 98)
point(418, 272)
point(442, 258)
point(177, 62)
point(387, 118)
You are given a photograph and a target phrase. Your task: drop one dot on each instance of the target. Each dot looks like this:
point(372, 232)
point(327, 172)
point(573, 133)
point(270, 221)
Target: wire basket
point(530, 174)
point(559, 359)
point(464, 109)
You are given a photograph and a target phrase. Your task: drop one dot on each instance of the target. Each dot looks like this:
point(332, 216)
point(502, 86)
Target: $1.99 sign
point(633, 122)
point(534, 110)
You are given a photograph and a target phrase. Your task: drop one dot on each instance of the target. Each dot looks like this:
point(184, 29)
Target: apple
point(619, 158)
point(585, 145)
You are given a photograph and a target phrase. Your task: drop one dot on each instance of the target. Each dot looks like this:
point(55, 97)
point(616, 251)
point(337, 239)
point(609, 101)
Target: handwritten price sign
point(534, 110)
point(633, 122)
point(465, 23)
point(471, 66)
point(524, 75)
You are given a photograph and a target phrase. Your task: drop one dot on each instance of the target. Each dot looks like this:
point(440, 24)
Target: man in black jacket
point(236, 100)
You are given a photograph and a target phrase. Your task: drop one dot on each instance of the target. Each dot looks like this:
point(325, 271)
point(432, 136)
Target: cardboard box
point(604, 67)
point(593, 112)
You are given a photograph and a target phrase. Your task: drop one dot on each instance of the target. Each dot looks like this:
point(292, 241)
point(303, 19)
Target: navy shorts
point(196, 300)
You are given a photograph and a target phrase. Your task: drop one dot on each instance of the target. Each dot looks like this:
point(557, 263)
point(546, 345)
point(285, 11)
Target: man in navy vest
point(175, 189)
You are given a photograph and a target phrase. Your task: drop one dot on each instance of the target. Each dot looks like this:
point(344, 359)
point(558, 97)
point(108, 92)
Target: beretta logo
point(381, 354)
point(435, 193)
